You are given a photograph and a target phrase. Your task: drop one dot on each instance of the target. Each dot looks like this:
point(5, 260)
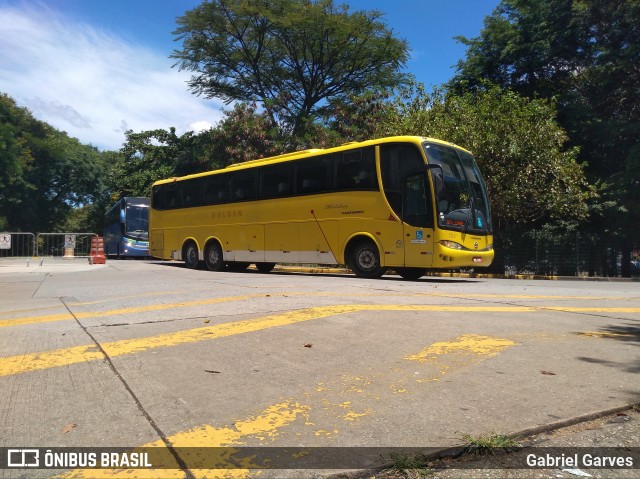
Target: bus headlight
point(451, 244)
point(488, 248)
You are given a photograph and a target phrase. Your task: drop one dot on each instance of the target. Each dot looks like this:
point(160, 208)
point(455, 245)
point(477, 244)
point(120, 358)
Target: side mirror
point(122, 216)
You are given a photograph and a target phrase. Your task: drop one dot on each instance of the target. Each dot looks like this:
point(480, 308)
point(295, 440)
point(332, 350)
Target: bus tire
point(213, 257)
point(265, 267)
point(411, 273)
point(364, 260)
point(190, 255)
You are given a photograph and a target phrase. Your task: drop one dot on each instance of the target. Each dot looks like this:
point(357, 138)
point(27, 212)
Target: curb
point(454, 451)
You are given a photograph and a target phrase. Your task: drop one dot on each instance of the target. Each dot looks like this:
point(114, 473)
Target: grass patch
point(411, 466)
point(488, 444)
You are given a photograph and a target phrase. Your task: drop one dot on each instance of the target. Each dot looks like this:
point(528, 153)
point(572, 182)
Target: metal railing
point(64, 245)
point(17, 245)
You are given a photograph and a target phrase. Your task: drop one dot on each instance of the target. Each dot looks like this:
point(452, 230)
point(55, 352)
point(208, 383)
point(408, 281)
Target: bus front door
point(417, 222)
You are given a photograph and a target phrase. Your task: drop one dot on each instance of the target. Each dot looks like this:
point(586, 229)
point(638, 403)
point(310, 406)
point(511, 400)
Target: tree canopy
point(586, 55)
point(292, 56)
point(531, 175)
point(44, 173)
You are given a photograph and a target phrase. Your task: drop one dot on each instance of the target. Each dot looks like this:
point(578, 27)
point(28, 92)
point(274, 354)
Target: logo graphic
point(23, 457)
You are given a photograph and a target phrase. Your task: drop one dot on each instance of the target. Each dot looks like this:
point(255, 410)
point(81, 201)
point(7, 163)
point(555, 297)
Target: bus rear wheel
point(364, 260)
point(189, 255)
point(213, 257)
point(265, 267)
point(411, 273)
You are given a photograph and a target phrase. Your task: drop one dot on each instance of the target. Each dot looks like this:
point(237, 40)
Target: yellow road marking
point(606, 334)
point(60, 357)
point(473, 344)
point(35, 319)
point(160, 307)
point(114, 312)
point(67, 356)
point(264, 426)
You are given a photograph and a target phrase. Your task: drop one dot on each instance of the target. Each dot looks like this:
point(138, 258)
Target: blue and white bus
point(126, 228)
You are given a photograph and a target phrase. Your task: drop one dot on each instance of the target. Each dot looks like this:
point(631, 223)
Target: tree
point(531, 176)
point(586, 55)
point(152, 155)
point(244, 134)
point(45, 173)
point(292, 56)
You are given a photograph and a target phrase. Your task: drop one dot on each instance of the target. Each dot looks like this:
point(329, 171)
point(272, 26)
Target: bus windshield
point(461, 196)
point(137, 222)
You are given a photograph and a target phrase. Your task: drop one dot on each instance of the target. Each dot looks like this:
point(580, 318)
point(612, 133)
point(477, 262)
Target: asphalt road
point(143, 353)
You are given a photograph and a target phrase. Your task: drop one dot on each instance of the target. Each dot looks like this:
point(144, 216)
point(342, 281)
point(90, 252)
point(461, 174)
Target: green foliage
point(245, 134)
point(486, 444)
point(530, 175)
point(153, 155)
point(293, 56)
point(44, 173)
point(586, 55)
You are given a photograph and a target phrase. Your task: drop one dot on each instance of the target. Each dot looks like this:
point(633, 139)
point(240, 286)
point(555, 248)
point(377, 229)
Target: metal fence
point(17, 245)
point(562, 254)
point(64, 245)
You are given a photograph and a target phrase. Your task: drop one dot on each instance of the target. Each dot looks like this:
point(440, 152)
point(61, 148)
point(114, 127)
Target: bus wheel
point(411, 273)
point(237, 265)
point(213, 257)
point(265, 267)
point(365, 260)
point(190, 255)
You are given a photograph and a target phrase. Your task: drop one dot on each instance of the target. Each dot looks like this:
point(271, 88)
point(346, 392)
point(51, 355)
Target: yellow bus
point(404, 203)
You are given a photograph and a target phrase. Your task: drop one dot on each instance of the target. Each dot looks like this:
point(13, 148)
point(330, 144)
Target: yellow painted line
point(451, 356)
point(262, 427)
point(115, 312)
point(266, 426)
point(606, 334)
point(62, 357)
point(35, 319)
point(485, 346)
point(67, 356)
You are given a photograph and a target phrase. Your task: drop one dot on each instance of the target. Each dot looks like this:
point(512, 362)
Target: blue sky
point(95, 68)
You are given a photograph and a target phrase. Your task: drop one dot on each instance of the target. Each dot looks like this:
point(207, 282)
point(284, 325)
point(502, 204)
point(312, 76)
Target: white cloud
point(90, 83)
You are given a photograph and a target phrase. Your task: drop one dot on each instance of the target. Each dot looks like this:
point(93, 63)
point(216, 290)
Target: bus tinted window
point(275, 180)
point(191, 192)
point(356, 170)
point(243, 185)
point(170, 196)
point(216, 189)
point(311, 175)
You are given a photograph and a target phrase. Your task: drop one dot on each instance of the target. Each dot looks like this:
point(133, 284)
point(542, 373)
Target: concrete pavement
point(138, 353)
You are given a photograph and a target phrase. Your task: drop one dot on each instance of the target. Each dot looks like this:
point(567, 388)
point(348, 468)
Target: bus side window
point(216, 189)
point(191, 192)
point(171, 196)
point(243, 185)
point(311, 175)
point(356, 170)
point(275, 180)
point(157, 197)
